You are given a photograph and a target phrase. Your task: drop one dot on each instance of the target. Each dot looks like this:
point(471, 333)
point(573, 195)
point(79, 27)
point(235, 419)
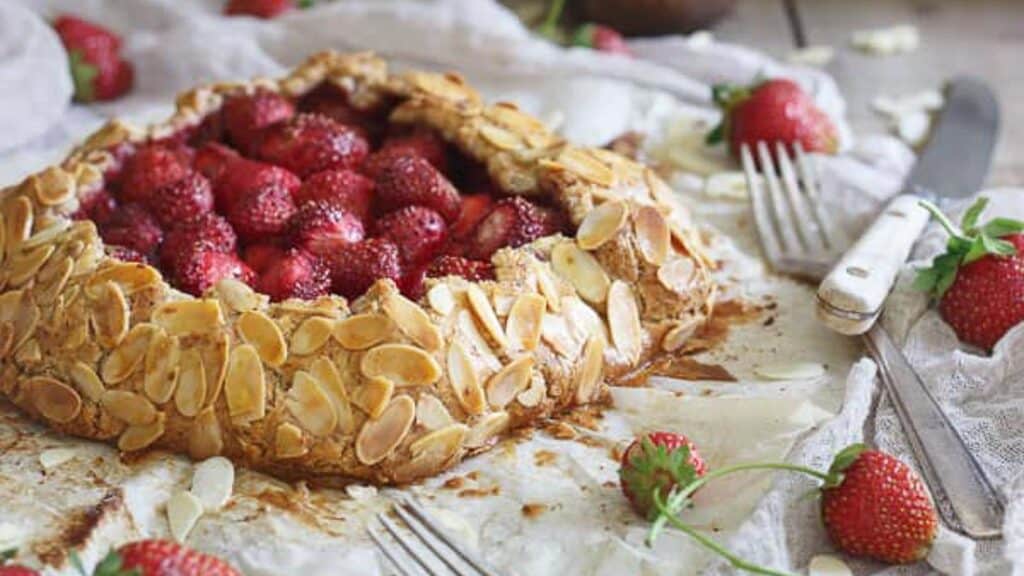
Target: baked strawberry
point(659, 461)
point(309, 143)
point(475, 208)
point(324, 228)
point(411, 284)
point(296, 274)
point(419, 232)
point(97, 69)
point(475, 270)
point(601, 38)
point(356, 268)
point(152, 168)
point(246, 115)
point(423, 143)
point(770, 111)
point(411, 181)
point(212, 160)
point(242, 178)
point(161, 558)
point(265, 9)
point(345, 188)
point(183, 200)
point(125, 254)
point(97, 206)
point(979, 280)
point(327, 100)
point(132, 226)
point(202, 268)
point(211, 231)
point(513, 222)
point(262, 214)
point(259, 257)
point(878, 507)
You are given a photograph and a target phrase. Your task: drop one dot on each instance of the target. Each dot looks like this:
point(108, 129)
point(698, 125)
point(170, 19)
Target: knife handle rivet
point(857, 271)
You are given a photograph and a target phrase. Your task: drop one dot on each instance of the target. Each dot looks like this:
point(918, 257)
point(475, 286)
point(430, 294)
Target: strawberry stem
point(943, 220)
point(549, 26)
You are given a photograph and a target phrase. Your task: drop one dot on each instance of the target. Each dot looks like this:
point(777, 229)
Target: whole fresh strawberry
point(776, 110)
point(240, 178)
point(418, 231)
point(186, 199)
point(262, 214)
point(265, 9)
point(601, 38)
point(209, 231)
point(659, 461)
point(132, 226)
point(410, 180)
point(97, 69)
point(151, 168)
point(245, 115)
point(322, 228)
point(296, 274)
point(355, 269)
point(344, 188)
point(161, 558)
point(511, 223)
point(979, 280)
point(203, 267)
point(877, 506)
point(310, 143)
point(447, 265)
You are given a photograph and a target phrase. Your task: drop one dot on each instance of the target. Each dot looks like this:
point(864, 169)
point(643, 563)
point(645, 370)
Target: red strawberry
point(877, 507)
point(296, 274)
point(355, 269)
point(659, 461)
point(345, 188)
point(323, 228)
point(98, 206)
point(204, 267)
point(132, 226)
point(212, 160)
point(419, 232)
point(309, 143)
point(242, 177)
point(423, 143)
point(979, 280)
point(601, 38)
point(411, 284)
point(125, 254)
point(13, 569)
point(97, 69)
point(447, 265)
point(183, 200)
point(475, 208)
point(259, 257)
point(262, 214)
point(265, 9)
point(775, 110)
point(161, 558)
point(245, 115)
point(411, 180)
point(513, 222)
point(151, 168)
point(329, 101)
point(210, 231)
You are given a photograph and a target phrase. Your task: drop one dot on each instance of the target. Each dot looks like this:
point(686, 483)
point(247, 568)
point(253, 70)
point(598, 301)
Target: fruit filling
point(304, 198)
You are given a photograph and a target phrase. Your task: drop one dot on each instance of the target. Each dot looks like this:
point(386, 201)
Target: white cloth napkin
point(178, 43)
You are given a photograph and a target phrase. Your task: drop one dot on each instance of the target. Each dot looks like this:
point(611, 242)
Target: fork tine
point(762, 216)
point(405, 544)
point(782, 213)
point(806, 225)
point(472, 559)
point(835, 237)
point(399, 564)
point(427, 537)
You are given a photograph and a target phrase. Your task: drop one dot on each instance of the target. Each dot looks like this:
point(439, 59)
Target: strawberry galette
point(342, 274)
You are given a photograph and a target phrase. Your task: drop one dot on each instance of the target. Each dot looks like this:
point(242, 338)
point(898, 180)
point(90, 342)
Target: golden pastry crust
point(381, 389)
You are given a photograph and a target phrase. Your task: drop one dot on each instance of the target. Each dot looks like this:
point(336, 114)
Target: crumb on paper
point(560, 430)
point(480, 492)
point(533, 510)
point(888, 41)
point(544, 457)
point(818, 56)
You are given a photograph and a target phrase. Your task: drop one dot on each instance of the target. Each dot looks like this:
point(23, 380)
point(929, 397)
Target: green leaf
point(999, 227)
point(716, 135)
point(970, 219)
point(82, 75)
point(303, 4)
point(843, 460)
point(584, 36)
point(7, 555)
point(976, 250)
point(926, 279)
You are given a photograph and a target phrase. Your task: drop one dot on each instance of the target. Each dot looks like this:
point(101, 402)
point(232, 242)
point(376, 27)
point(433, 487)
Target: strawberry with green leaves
point(97, 69)
point(590, 35)
point(9, 569)
point(979, 280)
point(158, 558)
point(659, 462)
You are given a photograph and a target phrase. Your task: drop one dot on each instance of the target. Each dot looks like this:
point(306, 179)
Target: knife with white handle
point(953, 165)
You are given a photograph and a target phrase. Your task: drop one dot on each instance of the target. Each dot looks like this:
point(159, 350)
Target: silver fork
point(798, 238)
point(432, 550)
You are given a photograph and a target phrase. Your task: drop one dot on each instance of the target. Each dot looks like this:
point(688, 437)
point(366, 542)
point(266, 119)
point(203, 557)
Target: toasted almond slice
point(790, 370)
point(485, 313)
point(582, 270)
point(310, 405)
point(289, 442)
point(311, 335)
point(55, 457)
point(212, 482)
point(602, 224)
point(412, 321)
point(487, 428)
point(58, 274)
point(214, 352)
point(584, 165)
point(138, 437)
point(591, 369)
point(258, 329)
point(826, 565)
point(18, 218)
point(440, 445)
point(677, 275)
point(238, 296)
point(87, 381)
point(129, 276)
point(583, 320)
point(128, 407)
point(363, 331)
point(380, 436)
point(504, 385)
point(624, 321)
point(402, 364)
point(129, 354)
point(6, 338)
point(189, 317)
point(54, 186)
point(191, 391)
point(548, 287)
point(25, 264)
point(30, 353)
point(533, 395)
point(466, 327)
point(53, 399)
point(245, 385)
point(500, 138)
point(431, 413)
point(162, 365)
point(676, 336)
point(523, 324)
point(555, 332)
point(204, 438)
point(652, 235)
point(441, 299)
point(109, 314)
point(324, 370)
point(373, 395)
point(463, 378)
point(183, 511)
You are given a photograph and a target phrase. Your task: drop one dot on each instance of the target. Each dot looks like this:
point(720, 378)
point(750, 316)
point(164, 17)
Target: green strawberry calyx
point(727, 97)
point(653, 469)
point(584, 36)
point(83, 73)
point(967, 243)
point(111, 565)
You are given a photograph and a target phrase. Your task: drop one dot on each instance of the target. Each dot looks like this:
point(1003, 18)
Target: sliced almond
point(591, 369)
point(55, 457)
point(652, 235)
point(505, 384)
point(258, 329)
point(363, 331)
point(535, 394)
point(467, 330)
point(412, 321)
point(212, 482)
point(624, 321)
point(373, 395)
point(288, 441)
point(19, 308)
point(827, 565)
point(205, 438)
point(183, 511)
point(431, 452)
point(162, 365)
point(54, 186)
point(486, 429)
point(523, 324)
point(791, 370)
point(58, 273)
point(55, 400)
point(129, 276)
point(402, 364)
point(238, 296)
point(485, 313)
point(548, 287)
point(324, 370)
point(431, 413)
point(214, 352)
point(463, 378)
point(129, 407)
point(380, 436)
point(189, 317)
point(138, 437)
point(26, 263)
point(677, 275)
point(583, 320)
point(584, 165)
point(441, 299)
point(18, 218)
point(311, 335)
point(29, 354)
point(678, 335)
point(191, 390)
point(556, 334)
point(87, 381)
point(500, 138)
point(110, 314)
point(309, 404)
point(582, 270)
point(124, 360)
point(245, 385)
point(602, 224)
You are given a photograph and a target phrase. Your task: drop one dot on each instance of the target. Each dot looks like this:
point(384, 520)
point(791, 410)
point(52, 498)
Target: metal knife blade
point(958, 155)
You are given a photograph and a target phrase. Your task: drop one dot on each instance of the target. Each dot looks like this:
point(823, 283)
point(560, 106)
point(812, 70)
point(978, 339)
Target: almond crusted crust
point(382, 389)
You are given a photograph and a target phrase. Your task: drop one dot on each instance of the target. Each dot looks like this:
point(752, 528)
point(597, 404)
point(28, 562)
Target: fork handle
point(851, 296)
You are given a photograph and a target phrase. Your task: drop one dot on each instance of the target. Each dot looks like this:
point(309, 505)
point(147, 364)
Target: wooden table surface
point(980, 37)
